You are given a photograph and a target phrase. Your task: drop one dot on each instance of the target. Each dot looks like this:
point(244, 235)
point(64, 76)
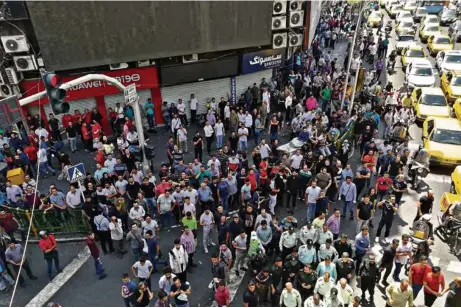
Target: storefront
point(99, 94)
point(254, 67)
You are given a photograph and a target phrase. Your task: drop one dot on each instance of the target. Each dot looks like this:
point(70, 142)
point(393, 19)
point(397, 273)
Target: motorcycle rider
point(391, 62)
point(453, 214)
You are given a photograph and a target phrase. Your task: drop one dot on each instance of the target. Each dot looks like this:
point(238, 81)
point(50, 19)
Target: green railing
point(62, 224)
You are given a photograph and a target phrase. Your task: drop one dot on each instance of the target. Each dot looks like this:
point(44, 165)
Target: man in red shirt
point(252, 177)
point(417, 273)
point(434, 285)
point(94, 250)
point(49, 246)
point(31, 152)
point(382, 185)
point(10, 224)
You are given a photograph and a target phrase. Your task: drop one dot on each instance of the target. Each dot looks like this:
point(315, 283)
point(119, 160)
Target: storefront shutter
point(245, 81)
point(81, 105)
point(203, 91)
point(112, 100)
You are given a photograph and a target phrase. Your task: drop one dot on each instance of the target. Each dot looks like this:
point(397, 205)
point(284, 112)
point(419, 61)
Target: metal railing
point(69, 223)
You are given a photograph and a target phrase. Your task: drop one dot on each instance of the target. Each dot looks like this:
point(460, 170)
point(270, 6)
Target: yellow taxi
point(427, 31)
point(405, 26)
point(411, 53)
point(395, 9)
point(455, 187)
point(442, 140)
point(374, 18)
point(429, 102)
point(450, 82)
point(439, 42)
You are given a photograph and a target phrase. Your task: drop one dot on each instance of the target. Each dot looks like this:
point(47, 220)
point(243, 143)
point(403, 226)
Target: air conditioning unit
point(13, 76)
point(295, 5)
point(190, 58)
point(279, 23)
point(25, 63)
point(279, 7)
point(279, 40)
point(143, 63)
point(296, 19)
point(295, 40)
point(9, 90)
point(15, 43)
point(118, 66)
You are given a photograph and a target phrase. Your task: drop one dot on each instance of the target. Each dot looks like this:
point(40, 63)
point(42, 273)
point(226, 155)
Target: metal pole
point(353, 91)
point(351, 53)
point(140, 129)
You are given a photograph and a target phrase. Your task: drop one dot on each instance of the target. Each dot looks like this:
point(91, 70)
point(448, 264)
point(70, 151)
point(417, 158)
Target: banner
point(262, 60)
point(233, 98)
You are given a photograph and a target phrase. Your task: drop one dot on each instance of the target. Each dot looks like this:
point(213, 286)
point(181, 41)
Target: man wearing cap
point(305, 281)
point(307, 233)
point(13, 255)
point(369, 276)
point(332, 299)
point(49, 247)
point(277, 272)
point(345, 267)
point(250, 298)
point(292, 266)
point(288, 241)
point(342, 245)
point(308, 253)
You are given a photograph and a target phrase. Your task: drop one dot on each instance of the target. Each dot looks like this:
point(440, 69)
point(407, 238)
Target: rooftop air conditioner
point(9, 90)
point(15, 43)
point(143, 63)
point(118, 66)
point(295, 40)
point(25, 63)
point(190, 58)
point(279, 7)
point(279, 40)
point(12, 75)
point(295, 6)
point(279, 23)
point(296, 19)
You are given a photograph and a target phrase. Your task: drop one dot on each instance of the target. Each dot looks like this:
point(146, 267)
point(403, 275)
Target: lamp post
point(351, 53)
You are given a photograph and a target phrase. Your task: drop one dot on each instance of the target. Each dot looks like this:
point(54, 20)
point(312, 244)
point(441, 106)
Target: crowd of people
point(239, 210)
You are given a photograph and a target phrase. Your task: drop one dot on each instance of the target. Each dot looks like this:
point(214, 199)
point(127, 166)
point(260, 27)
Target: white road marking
point(454, 266)
point(438, 178)
point(435, 261)
point(234, 282)
point(51, 288)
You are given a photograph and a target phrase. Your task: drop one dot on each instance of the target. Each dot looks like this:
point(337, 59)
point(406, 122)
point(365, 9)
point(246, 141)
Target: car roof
point(440, 35)
point(453, 52)
point(415, 47)
point(421, 62)
point(447, 123)
point(406, 19)
point(434, 90)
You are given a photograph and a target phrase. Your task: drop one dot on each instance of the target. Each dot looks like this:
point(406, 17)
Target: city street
point(84, 289)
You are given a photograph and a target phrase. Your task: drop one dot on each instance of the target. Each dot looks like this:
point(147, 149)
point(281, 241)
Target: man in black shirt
point(250, 298)
point(72, 136)
point(454, 293)
point(233, 230)
point(395, 168)
point(399, 187)
point(387, 216)
point(148, 190)
point(425, 204)
point(233, 142)
point(54, 125)
point(132, 188)
point(387, 261)
point(365, 210)
point(342, 245)
point(198, 146)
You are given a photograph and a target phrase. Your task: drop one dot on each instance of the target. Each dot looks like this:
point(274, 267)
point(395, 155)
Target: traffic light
point(56, 95)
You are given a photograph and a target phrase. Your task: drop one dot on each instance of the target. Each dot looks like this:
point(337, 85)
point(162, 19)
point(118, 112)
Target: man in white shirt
point(227, 114)
point(209, 131)
point(44, 166)
point(295, 160)
point(248, 121)
point(345, 292)
point(207, 221)
point(41, 132)
point(175, 124)
point(264, 149)
point(193, 103)
point(137, 213)
point(402, 254)
point(288, 103)
point(132, 136)
point(143, 270)
point(182, 112)
point(243, 138)
point(219, 131)
point(150, 224)
point(116, 234)
point(74, 197)
point(109, 163)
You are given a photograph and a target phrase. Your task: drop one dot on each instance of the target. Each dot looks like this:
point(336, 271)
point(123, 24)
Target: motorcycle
point(419, 168)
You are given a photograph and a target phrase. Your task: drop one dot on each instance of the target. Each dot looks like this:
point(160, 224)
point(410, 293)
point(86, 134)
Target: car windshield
point(453, 59)
point(442, 40)
point(433, 3)
point(450, 13)
point(456, 81)
point(433, 100)
point(407, 38)
point(375, 15)
point(422, 11)
point(432, 29)
point(407, 24)
point(421, 71)
point(447, 136)
point(415, 53)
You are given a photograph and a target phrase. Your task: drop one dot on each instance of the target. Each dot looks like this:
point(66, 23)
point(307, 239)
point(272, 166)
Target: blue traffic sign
point(76, 173)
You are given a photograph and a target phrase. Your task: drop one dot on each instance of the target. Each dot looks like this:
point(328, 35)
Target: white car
point(405, 40)
point(420, 13)
point(390, 3)
point(430, 19)
point(403, 15)
point(420, 73)
point(411, 6)
point(449, 60)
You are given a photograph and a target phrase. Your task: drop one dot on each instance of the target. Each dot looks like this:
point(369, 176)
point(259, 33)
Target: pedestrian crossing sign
point(76, 173)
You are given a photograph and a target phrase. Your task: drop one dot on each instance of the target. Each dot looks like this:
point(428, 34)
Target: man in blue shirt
point(362, 245)
point(154, 251)
point(223, 193)
point(205, 195)
point(149, 107)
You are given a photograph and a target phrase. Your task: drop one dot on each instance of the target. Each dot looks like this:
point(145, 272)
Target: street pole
point(351, 53)
point(351, 104)
point(140, 129)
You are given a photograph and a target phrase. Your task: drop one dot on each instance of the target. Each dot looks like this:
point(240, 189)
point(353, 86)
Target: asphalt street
point(84, 289)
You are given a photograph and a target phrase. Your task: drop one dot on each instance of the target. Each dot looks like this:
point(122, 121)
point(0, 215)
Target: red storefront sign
point(144, 78)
